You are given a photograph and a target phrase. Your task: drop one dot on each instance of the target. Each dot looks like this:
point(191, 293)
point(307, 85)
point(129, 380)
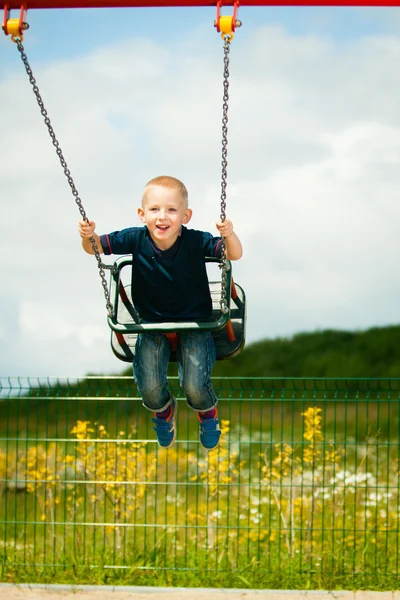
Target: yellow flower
point(81, 430)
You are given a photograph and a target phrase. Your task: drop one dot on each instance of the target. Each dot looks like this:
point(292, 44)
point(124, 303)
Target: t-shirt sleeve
point(212, 245)
point(119, 242)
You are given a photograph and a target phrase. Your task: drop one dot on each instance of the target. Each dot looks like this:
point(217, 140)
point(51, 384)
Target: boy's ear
point(187, 216)
point(140, 213)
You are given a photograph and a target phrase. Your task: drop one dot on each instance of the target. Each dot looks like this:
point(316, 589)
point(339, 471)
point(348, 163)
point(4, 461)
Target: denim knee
point(157, 399)
point(200, 398)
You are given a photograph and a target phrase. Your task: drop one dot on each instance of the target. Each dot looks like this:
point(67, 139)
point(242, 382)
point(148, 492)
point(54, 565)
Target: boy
point(171, 284)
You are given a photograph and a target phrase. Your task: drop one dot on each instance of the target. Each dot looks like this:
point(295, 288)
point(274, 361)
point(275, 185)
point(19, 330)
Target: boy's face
point(164, 211)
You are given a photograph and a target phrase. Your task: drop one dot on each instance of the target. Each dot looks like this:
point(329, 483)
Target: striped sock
point(208, 414)
point(164, 414)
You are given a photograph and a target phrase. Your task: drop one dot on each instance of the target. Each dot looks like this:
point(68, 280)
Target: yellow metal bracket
point(226, 25)
point(15, 27)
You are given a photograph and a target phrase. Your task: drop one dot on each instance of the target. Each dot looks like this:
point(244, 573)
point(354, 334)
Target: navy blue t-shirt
point(167, 285)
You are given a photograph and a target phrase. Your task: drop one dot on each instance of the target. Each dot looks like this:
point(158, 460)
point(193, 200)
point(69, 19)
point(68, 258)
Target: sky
point(313, 165)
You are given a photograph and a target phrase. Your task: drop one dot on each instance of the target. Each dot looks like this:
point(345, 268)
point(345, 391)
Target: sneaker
point(166, 428)
point(209, 431)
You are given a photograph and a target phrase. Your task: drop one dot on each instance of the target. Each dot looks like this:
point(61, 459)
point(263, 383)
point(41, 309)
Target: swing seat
point(228, 330)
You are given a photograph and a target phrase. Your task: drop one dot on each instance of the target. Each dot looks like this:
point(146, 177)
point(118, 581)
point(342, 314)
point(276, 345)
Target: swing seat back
point(228, 330)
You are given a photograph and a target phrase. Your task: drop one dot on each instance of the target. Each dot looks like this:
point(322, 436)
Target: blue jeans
point(196, 357)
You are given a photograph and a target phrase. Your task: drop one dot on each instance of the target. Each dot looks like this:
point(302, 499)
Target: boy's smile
point(164, 211)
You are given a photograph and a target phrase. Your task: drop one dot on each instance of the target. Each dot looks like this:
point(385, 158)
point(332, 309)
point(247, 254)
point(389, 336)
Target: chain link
point(67, 173)
point(224, 176)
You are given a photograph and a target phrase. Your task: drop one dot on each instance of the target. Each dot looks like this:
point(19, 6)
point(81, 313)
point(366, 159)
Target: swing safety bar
point(30, 4)
point(213, 324)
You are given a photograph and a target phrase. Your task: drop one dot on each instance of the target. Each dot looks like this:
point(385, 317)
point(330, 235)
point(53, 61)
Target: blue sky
point(314, 150)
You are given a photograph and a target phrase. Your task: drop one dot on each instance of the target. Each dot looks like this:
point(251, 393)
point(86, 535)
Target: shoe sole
point(209, 449)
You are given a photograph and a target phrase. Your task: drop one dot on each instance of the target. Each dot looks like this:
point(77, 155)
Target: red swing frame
point(30, 4)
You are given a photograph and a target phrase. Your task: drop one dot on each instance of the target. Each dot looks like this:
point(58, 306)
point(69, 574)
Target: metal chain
point(67, 173)
point(225, 106)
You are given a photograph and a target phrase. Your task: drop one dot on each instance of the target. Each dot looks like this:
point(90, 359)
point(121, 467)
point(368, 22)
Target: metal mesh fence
point(304, 483)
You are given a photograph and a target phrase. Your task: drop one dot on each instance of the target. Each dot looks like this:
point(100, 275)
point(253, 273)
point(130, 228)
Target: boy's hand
point(86, 229)
point(225, 227)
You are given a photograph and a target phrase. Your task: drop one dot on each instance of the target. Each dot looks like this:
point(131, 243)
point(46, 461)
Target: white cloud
point(314, 146)
point(46, 323)
point(91, 335)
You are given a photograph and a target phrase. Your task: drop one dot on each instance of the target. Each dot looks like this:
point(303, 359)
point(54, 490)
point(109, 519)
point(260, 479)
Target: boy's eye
point(154, 209)
point(172, 210)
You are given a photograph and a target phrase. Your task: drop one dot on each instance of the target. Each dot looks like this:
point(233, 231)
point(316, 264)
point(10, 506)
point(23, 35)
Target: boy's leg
point(196, 358)
point(150, 363)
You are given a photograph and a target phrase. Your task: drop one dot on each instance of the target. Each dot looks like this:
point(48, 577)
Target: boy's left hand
point(225, 227)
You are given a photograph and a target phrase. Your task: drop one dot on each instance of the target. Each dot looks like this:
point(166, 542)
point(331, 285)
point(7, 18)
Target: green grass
point(194, 571)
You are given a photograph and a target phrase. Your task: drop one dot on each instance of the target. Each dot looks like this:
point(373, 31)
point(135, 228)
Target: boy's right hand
point(86, 229)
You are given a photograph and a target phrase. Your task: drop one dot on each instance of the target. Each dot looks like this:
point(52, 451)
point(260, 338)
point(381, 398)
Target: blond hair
point(168, 182)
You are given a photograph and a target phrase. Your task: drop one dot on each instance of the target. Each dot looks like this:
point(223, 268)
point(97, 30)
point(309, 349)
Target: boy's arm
point(234, 249)
point(86, 231)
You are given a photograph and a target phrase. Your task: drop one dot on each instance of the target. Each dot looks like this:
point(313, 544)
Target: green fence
point(303, 490)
